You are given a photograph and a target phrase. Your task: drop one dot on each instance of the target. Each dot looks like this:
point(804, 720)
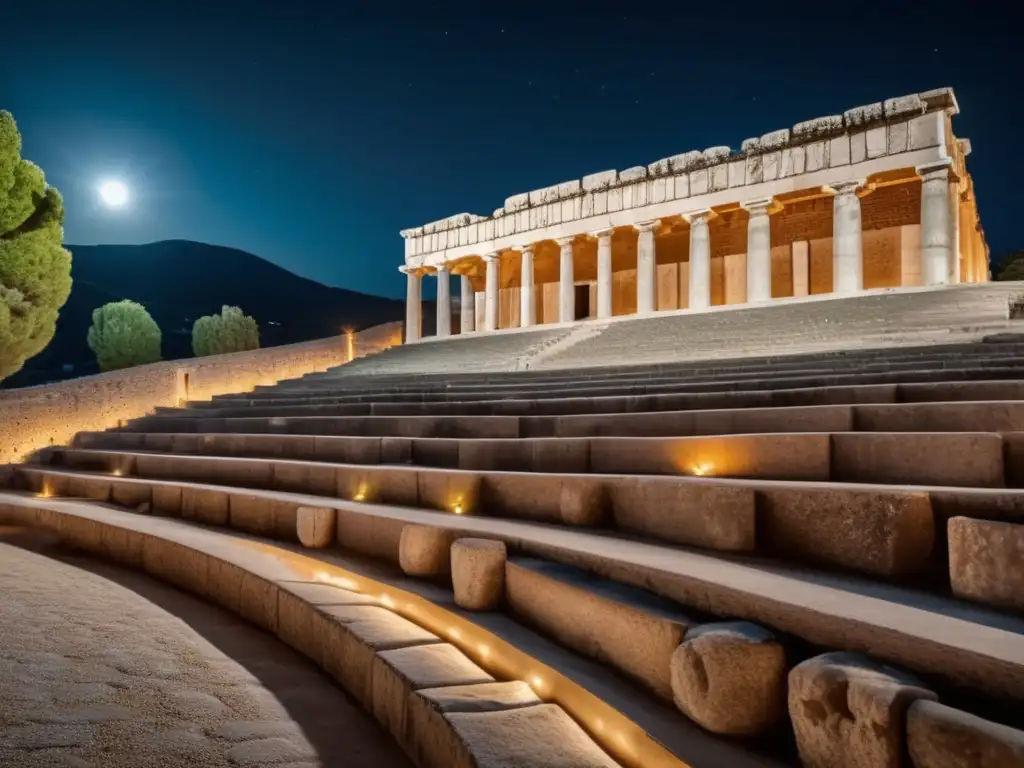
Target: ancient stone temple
point(878, 197)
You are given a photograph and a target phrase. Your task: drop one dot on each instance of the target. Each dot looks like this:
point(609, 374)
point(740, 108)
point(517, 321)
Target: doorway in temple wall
point(582, 301)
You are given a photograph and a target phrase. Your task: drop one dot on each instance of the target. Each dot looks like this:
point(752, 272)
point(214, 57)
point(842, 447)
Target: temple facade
point(878, 197)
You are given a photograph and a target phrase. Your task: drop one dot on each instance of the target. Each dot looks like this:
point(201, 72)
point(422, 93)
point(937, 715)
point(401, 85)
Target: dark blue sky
point(310, 133)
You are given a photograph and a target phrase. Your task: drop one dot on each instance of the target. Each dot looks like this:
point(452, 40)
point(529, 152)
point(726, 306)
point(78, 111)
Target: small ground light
point(702, 469)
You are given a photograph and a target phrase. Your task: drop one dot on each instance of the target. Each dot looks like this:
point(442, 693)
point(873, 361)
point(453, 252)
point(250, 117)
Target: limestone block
point(899, 136)
point(204, 505)
point(682, 186)
point(299, 623)
point(633, 174)
point(627, 628)
point(943, 737)
point(685, 161)
point(839, 151)
point(737, 172)
point(315, 526)
point(587, 205)
point(775, 139)
point(425, 550)
point(582, 501)
point(858, 147)
point(719, 177)
point(882, 533)
point(927, 131)
point(730, 678)
point(545, 195)
point(771, 163)
point(986, 561)
point(352, 636)
point(528, 737)
point(940, 98)
point(603, 180)
point(430, 740)
point(751, 145)
point(658, 189)
point(699, 180)
point(713, 155)
point(792, 163)
point(371, 535)
point(127, 493)
point(569, 188)
point(516, 202)
point(849, 711)
point(449, 490)
point(714, 516)
point(600, 203)
point(398, 674)
point(817, 128)
point(859, 116)
point(253, 514)
point(614, 199)
point(876, 142)
point(257, 601)
point(659, 167)
point(903, 105)
point(816, 156)
point(755, 169)
point(478, 573)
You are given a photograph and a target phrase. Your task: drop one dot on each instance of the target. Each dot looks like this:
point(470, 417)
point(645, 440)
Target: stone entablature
point(899, 133)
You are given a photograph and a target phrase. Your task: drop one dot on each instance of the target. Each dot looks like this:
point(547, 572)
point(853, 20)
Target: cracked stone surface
point(93, 674)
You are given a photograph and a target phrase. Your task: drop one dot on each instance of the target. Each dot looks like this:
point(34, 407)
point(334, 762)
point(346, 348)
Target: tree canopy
point(35, 269)
point(124, 335)
point(230, 331)
point(1012, 266)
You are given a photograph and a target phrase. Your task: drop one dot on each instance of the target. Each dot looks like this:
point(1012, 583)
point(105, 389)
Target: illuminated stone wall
point(35, 417)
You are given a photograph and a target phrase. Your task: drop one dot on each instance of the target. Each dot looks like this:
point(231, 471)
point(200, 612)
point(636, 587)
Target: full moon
point(114, 193)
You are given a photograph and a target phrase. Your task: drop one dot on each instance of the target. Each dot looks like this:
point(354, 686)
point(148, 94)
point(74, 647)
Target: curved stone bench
point(439, 699)
point(827, 611)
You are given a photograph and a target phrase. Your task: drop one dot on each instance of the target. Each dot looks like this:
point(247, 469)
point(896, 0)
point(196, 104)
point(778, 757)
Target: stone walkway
point(93, 674)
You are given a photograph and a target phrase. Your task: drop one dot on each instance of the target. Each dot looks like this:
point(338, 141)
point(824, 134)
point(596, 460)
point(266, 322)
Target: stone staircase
point(803, 560)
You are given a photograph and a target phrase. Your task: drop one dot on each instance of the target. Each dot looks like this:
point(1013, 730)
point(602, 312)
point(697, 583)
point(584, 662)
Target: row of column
point(939, 260)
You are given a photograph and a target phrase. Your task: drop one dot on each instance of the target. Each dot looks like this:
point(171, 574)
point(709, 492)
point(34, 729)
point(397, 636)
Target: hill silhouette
point(179, 281)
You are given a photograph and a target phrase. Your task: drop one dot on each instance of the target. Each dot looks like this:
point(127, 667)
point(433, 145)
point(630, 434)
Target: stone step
point(1011, 370)
point(962, 459)
point(432, 696)
point(961, 416)
point(524, 406)
point(958, 643)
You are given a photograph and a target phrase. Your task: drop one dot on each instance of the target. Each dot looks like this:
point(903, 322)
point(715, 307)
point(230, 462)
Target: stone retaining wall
point(35, 417)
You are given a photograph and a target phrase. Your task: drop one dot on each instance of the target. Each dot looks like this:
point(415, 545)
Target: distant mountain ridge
point(179, 281)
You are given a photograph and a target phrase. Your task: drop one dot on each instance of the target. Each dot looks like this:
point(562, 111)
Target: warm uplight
point(702, 469)
point(337, 581)
point(457, 508)
point(350, 336)
point(117, 473)
point(361, 492)
point(537, 683)
point(387, 602)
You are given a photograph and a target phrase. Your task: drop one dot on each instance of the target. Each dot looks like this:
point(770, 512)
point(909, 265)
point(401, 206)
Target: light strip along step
point(958, 642)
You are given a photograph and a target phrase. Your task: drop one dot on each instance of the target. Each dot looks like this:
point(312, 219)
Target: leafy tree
point(124, 335)
point(1012, 266)
point(35, 269)
point(230, 331)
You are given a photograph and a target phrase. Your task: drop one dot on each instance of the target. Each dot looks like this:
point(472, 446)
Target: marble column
point(467, 305)
point(936, 227)
point(700, 259)
point(759, 250)
point(444, 301)
point(955, 269)
point(412, 304)
point(847, 239)
point(527, 300)
point(604, 272)
point(491, 293)
point(566, 284)
point(646, 268)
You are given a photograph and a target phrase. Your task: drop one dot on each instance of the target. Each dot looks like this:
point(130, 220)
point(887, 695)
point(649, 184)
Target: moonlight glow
point(114, 193)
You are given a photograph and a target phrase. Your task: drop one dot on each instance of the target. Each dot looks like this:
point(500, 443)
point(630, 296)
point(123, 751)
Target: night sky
point(310, 133)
